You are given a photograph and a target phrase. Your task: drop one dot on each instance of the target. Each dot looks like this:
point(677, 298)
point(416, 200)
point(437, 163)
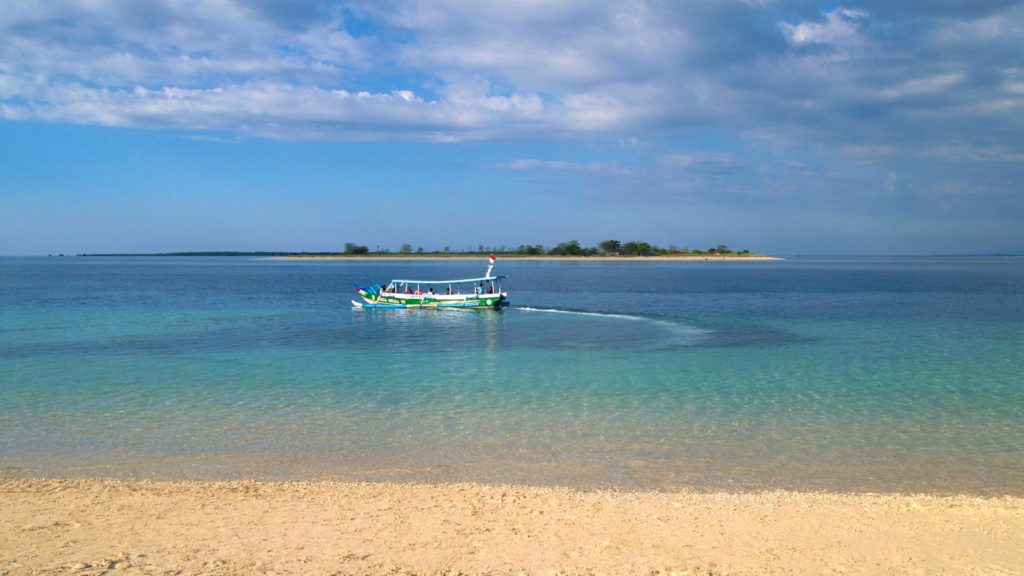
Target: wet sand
point(126, 527)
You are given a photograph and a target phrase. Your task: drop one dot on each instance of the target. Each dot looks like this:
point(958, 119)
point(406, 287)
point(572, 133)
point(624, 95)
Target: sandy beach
point(138, 527)
point(542, 258)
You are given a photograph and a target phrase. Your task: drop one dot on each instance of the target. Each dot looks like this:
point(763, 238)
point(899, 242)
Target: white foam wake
point(681, 329)
point(581, 313)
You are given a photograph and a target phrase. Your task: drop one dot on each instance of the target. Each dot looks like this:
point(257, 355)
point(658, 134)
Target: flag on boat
point(492, 259)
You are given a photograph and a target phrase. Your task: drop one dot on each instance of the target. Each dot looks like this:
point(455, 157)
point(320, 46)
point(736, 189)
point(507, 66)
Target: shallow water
point(875, 374)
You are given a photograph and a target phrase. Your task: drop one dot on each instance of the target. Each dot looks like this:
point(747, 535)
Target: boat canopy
point(464, 281)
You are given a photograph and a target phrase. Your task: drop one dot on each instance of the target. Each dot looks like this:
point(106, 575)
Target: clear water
point(859, 374)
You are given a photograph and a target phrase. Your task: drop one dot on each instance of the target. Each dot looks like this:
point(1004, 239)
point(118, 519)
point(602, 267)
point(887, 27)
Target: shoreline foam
point(92, 525)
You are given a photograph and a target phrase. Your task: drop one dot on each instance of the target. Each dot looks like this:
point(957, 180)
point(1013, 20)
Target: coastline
point(93, 525)
point(439, 257)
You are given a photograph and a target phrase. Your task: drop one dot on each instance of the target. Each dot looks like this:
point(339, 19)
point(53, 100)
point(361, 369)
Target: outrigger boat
point(482, 292)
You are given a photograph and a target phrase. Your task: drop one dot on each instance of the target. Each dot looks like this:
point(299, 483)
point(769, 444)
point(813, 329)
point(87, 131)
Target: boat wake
point(582, 313)
point(689, 334)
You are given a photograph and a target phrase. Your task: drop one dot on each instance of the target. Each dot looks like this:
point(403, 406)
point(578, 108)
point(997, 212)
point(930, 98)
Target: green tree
point(570, 248)
point(634, 248)
point(355, 249)
point(610, 246)
point(406, 249)
point(529, 250)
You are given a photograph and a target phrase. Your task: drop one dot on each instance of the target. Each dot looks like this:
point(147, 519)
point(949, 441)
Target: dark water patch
point(751, 336)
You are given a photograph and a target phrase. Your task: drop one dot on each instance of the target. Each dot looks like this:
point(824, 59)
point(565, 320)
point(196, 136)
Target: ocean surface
point(850, 374)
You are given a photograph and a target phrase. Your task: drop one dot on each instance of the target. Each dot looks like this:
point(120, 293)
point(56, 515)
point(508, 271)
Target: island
point(608, 250)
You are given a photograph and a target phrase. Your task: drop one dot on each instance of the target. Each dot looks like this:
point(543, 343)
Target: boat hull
point(397, 301)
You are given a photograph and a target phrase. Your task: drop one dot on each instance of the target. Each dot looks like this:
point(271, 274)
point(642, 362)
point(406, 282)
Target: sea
point(848, 374)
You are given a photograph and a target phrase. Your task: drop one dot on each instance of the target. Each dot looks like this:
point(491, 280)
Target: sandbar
point(647, 259)
point(92, 526)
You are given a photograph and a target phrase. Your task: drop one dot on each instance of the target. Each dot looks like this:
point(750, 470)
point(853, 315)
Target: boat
point(484, 292)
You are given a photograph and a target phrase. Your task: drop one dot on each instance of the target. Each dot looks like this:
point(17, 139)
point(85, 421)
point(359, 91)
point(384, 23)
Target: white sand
point(126, 527)
point(541, 258)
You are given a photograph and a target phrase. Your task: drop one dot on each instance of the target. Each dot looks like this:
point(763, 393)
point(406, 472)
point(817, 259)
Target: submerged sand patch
point(97, 526)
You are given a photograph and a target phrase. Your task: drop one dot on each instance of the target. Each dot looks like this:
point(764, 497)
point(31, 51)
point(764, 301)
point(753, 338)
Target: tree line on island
point(570, 248)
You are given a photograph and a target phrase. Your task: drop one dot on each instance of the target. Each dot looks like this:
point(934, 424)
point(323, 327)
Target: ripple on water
point(723, 383)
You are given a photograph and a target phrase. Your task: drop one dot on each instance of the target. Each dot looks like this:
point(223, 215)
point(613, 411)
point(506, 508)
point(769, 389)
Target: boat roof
point(463, 281)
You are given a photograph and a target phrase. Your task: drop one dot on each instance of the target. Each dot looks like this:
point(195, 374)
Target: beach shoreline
point(439, 257)
point(93, 525)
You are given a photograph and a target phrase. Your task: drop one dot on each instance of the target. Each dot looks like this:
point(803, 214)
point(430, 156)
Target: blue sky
point(780, 126)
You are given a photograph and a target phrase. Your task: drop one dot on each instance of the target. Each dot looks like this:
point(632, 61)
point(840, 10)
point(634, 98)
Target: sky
point(785, 127)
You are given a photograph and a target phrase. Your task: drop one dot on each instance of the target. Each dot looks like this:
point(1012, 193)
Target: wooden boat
point(484, 292)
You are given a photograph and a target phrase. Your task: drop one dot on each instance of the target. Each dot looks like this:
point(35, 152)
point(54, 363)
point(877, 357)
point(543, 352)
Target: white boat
point(483, 292)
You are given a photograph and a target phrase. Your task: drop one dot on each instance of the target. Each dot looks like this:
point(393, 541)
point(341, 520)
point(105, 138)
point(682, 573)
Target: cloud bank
point(894, 112)
point(867, 75)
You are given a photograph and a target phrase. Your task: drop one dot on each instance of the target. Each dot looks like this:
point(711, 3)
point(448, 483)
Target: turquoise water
point(865, 374)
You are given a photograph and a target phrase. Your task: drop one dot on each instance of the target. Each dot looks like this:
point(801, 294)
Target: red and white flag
point(492, 259)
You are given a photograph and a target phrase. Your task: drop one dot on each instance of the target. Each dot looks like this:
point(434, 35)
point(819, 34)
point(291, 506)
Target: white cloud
point(1013, 81)
point(995, 26)
point(281, 110)
point(689, 159)
point(923, 85)
point(550, 46)
point(224, 61)
point(449, 70)
point(328, 42)
point(964, 152)
point(562, 166)
point(840, 28)
point(891, 183)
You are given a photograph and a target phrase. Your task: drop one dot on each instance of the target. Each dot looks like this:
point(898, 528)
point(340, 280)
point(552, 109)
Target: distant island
point(214, 253)
point(609, 249)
